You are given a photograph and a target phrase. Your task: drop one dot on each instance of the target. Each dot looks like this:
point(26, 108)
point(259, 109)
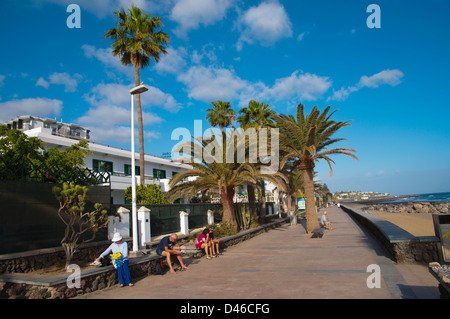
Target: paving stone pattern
point(286, 263)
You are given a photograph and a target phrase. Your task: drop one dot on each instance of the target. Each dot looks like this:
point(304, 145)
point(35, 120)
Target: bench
point(318, 233)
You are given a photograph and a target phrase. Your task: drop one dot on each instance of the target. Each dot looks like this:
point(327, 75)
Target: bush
point(147, 194)
point(223, 230)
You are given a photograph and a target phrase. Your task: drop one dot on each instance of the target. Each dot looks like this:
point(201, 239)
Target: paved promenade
point(286, 263)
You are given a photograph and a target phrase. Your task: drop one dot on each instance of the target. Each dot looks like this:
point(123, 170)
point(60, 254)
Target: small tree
point(72, 201)
point(18, 152)
point(147, 194)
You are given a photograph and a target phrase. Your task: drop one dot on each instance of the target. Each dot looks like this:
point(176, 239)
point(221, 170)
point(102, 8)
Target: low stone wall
point(15, 287)
point(96, 279)
point(403, 246)
point(33, 260)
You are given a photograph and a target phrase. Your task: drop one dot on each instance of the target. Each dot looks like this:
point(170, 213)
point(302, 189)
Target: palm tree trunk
point(137, 82)
point(228, 207)
point(262, 215)
point(311, 216)
point(289, 203)
point(251, 201)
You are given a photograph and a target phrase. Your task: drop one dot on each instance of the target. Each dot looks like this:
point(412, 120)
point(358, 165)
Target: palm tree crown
point(256, 115)
point(135, 38)
point(221, 115)
point(305, 139)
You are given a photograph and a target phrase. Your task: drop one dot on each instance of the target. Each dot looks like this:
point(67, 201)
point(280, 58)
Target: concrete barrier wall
point(29, 215)
point(402, 245)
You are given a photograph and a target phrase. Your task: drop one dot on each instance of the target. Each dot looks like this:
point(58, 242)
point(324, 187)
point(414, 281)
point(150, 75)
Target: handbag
point(117, 260)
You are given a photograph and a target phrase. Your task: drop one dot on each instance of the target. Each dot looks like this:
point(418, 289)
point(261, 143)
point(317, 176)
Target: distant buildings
point(356, 195)
point(115, 160)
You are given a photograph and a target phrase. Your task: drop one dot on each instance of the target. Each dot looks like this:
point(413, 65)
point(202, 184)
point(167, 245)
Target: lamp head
point(139, 89)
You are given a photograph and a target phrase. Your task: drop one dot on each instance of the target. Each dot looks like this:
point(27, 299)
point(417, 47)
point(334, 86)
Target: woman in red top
point(201, 243)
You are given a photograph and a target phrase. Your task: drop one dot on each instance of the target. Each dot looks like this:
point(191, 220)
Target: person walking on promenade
point(167, 247)
point(214, 242)
point(324, 222)
point(202, 242)
point(119, 249)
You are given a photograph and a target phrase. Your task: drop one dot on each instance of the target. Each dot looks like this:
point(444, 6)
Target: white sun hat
point(116, 237)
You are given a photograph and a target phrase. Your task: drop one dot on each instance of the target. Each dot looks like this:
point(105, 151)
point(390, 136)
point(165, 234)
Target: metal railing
point(41, 172)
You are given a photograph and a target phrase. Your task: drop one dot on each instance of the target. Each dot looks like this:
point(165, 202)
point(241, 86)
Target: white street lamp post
point(137, 90)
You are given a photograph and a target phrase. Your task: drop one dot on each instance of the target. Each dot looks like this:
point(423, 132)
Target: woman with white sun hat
point(119, 250)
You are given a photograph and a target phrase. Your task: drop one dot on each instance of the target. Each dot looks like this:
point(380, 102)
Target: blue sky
point(392, 82)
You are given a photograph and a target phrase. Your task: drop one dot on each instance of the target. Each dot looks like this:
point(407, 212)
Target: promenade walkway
point(286, 263)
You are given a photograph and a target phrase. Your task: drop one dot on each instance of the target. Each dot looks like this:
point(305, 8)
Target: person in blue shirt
point(119, 246)
point(167, 247)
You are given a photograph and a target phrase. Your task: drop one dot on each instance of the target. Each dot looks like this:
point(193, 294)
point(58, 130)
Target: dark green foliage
point(147, 194)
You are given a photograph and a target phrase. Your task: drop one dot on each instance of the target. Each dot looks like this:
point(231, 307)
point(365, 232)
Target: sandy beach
point(414, 223)
point(418, 224)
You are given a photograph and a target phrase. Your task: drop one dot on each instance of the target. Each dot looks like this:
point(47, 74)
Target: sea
point(432, 197)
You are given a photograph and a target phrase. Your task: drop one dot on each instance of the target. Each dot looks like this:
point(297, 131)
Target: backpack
point(159, 268)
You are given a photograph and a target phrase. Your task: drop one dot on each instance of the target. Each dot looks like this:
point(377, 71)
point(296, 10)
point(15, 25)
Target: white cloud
point(172, 62)
point(2, 78)
point(106, 57)
point(32, 106)
point(300, 36)
point(42, 82)
point(105, 8)
point(109, 118)
point(190, 14)
point(267, 23)
point(304, 86)
point(210, 84)
point(70, 82)
point(156, 97)
point(389, 77)
point(109, 115)
point(105, 94)
point(118, 94)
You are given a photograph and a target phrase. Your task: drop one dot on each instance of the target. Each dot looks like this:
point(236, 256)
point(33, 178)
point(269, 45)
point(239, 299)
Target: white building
point(115, 160)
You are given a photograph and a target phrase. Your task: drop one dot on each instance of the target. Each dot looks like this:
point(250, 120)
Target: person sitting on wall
point(324, 222)
point(119, 250)
point(167, 247)
point(214, 242)
point(202, 243)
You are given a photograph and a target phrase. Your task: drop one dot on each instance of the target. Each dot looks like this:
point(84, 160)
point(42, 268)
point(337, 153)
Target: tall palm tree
point(138, 40)
point(304, 140)
point(221, 115)
point(257, 115)
point(222, 176)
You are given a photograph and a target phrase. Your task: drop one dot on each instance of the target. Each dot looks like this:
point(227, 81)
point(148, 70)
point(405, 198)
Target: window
point(159, 173)
point(102, 166)
point(127, 169)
